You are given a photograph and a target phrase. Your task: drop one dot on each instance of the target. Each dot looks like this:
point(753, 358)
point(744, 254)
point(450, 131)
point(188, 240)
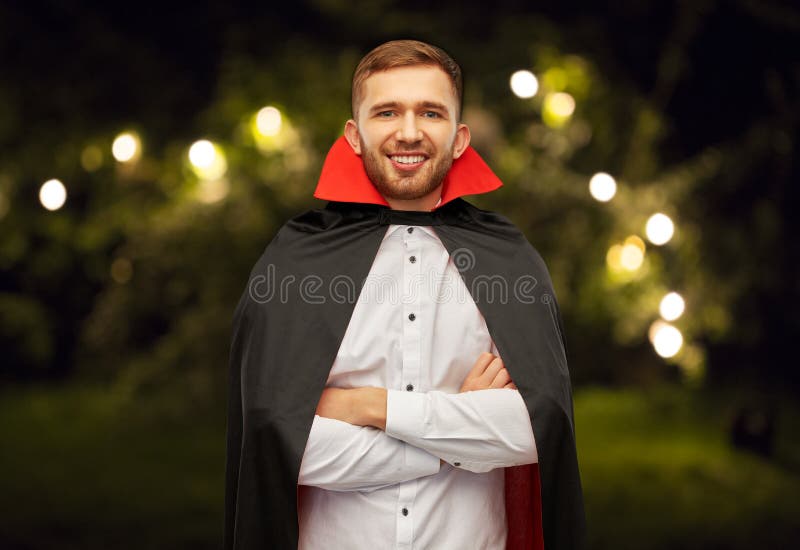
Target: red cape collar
point(344, 179)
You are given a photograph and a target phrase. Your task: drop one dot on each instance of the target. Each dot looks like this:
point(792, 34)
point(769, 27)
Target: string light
point(632, 253)
point(614, 257)
point(602, 187)
point(666, 339)
point(201, 153)
point(272, 131)
point(269, 121)
point(562, 104)
point(627, 256)
point(671, 306)
point(557, 108)
point(52, 194)
point(524, 84)
point(207, 160)
point(126, 147)
point(659, 229)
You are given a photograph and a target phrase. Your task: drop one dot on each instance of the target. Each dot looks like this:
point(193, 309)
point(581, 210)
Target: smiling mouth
point(407, 162)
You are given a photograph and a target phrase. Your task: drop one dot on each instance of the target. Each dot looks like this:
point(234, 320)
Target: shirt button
point(411, 316)
point(410, 229)
point(405, 511)
point(412, 259)
point(410, 387)
point(456, 464)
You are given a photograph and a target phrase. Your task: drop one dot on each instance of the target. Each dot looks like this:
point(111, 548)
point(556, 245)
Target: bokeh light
point(602, 187)
point(126, 147)
point(272, 131)
point(632, 253)
point(614, 257)
point(269, 121)
point(671, 306)
point(562, 104)
point(524, 84)
point(557, 109)
point(52, 194)
point(201, 153)
point(659, 229)
point(207, 159)
point(666, 339)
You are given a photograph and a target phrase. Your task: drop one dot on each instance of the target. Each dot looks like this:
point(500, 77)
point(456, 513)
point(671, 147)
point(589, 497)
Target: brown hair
point(405, 53)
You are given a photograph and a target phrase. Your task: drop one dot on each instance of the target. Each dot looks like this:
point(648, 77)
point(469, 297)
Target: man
point(382, 326)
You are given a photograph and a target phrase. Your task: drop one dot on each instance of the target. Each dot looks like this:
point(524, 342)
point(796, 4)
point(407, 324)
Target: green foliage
point(135, 279)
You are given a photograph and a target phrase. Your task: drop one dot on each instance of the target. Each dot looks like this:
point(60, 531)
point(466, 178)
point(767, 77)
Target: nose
point(409, 131)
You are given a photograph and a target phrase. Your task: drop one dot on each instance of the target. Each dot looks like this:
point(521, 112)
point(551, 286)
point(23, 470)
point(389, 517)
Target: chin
point(406, 192)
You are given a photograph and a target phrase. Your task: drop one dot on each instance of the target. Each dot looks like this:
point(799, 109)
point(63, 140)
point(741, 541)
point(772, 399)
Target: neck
point(423, 204)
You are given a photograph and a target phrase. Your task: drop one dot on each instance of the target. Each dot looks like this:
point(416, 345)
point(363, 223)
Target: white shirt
point(416, 331)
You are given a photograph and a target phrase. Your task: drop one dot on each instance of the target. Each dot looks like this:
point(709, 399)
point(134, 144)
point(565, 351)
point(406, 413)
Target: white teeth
point(408, 159)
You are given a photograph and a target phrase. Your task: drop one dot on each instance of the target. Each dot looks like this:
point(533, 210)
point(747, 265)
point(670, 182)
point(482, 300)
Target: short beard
point(379, 178)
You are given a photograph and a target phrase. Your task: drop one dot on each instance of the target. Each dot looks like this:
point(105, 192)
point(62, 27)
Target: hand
point(488, 373)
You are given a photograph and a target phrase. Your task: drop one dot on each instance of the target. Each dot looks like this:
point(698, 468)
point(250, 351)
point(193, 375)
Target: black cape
point(291, 320)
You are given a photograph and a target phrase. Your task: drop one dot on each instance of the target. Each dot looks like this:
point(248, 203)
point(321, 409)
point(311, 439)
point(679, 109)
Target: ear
point(461, 141)
point(352, 136)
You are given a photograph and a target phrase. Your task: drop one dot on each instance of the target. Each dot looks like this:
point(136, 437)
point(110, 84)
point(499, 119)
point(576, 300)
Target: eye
point(431, 114)
point(384, 114)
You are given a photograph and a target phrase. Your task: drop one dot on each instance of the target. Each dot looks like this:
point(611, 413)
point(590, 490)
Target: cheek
point(444, 144)
point(442, 137)
point(371, 141)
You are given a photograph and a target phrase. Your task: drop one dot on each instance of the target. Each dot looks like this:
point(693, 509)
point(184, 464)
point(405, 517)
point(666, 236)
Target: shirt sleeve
point(342, 457)
point(476, 430)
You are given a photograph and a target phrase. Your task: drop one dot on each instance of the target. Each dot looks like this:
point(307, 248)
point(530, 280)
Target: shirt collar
point(394, 228)
point(344, 179)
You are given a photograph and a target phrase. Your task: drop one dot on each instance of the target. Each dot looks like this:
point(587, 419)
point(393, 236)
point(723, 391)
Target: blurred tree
point(135, 279)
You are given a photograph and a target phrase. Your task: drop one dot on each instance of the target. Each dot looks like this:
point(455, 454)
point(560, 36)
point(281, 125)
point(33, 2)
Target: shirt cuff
point(405, 414)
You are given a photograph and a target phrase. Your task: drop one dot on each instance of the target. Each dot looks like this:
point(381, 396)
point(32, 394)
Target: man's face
point(407, 133)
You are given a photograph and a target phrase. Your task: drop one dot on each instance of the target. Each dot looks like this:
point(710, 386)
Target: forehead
point(409, 85)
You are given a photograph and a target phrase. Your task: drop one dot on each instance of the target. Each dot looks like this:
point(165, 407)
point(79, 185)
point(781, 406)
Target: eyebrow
point(395, 104)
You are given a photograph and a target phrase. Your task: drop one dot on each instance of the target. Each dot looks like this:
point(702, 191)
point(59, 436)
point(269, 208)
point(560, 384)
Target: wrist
point(373, 407)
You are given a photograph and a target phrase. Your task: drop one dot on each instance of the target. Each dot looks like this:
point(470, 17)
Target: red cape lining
point(344, 179)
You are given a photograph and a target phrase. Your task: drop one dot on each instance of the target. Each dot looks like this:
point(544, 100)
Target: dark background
point(113, 386)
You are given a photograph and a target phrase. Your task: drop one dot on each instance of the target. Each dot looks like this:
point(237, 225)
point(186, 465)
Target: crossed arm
point(366, 438)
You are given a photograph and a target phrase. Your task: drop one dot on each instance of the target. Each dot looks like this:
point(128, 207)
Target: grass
point(81, 471)
point(658, 472)
point(84, 468)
